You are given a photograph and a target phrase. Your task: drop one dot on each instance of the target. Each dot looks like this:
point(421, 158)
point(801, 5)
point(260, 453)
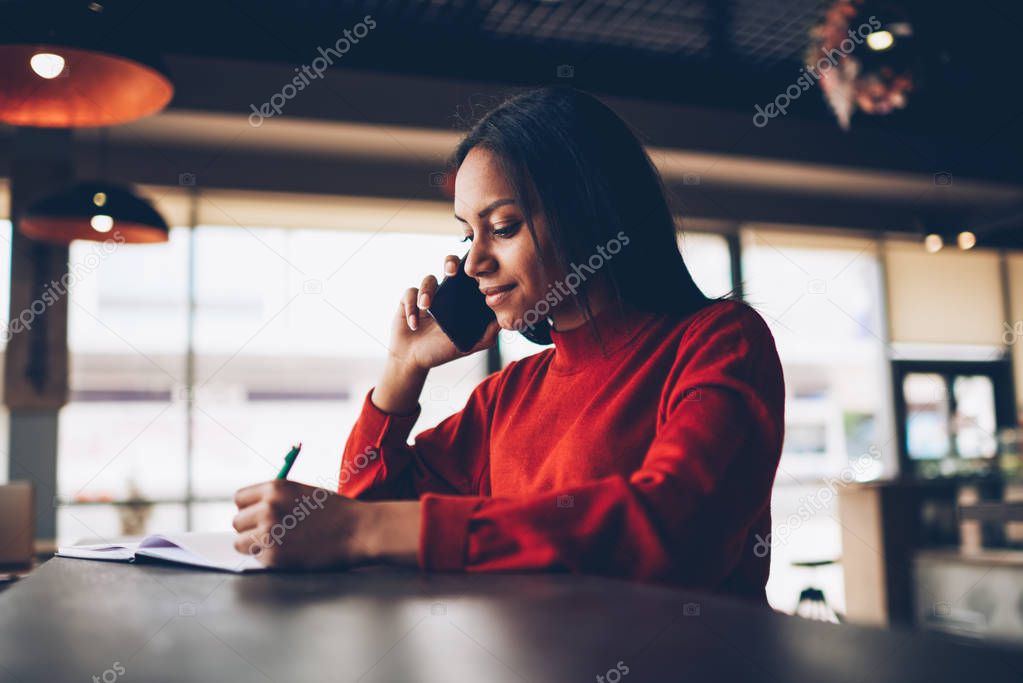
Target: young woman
point(643, 445)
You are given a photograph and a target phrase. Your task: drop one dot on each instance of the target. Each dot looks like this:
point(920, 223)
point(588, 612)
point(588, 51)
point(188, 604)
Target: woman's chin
point(510, 320)
point(506, 321)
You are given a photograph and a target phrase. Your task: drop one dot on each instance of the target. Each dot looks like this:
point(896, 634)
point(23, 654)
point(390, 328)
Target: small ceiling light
point(99, 199)
point(47, 64)
point(101, 223)
point(902, 29)
point(71, 215)
point(880, 40)
point(933, 243)
point(967, 240)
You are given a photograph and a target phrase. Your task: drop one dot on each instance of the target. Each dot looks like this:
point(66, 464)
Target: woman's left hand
point(286, 524)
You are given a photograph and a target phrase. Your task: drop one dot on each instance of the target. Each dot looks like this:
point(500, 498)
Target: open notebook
point(213, 550)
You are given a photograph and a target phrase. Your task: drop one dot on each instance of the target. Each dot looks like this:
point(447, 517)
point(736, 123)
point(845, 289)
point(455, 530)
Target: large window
point(708, 259)
point(289, 331)
point(822, 299)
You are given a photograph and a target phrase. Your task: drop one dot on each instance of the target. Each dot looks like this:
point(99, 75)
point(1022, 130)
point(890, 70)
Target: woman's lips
point(496, 295)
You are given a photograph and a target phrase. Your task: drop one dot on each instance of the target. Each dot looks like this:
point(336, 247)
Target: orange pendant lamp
point(67, 70)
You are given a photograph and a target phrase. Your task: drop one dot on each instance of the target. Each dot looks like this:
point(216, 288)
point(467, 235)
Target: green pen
point(289, 460)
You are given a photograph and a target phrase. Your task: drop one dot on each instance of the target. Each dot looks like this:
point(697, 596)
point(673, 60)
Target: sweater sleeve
point(378, 463)
point(685, 515)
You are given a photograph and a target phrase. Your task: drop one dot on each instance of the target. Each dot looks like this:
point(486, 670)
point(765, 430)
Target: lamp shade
point(54, 86)
point(94, 211)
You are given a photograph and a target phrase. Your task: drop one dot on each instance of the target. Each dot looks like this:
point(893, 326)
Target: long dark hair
point(593, 181)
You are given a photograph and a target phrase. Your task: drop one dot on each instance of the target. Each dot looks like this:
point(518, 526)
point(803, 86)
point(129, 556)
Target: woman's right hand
point(416, 338)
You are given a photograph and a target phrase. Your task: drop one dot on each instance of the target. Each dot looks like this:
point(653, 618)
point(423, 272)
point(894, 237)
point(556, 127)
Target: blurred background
point(210, 210)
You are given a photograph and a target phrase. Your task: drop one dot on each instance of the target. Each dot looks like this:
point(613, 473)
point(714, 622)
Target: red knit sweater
point(654, 462)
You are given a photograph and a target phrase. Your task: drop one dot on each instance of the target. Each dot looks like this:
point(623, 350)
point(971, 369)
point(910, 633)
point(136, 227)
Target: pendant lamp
point(95, 211)
point(70, 66)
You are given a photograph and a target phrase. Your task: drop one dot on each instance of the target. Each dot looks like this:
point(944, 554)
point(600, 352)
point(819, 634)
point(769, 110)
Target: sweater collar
point(579, 346)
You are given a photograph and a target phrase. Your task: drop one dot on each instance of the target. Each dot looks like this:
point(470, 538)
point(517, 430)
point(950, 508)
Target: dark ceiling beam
point(255, 170)
point(378, 98)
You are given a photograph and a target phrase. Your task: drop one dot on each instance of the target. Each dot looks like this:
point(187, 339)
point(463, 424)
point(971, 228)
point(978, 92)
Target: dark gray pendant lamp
point(95, 211)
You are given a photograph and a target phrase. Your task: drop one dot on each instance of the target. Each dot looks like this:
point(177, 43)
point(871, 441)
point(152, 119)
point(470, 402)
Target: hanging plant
point(863, 52)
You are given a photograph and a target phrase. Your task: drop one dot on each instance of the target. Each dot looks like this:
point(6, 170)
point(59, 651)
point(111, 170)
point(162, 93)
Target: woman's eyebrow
point(490, 207)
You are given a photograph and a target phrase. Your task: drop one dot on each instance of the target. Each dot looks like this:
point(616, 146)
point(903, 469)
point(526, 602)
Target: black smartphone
point(460, 309)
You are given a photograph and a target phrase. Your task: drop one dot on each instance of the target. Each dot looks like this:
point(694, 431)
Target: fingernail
point(422, 301)
point(412, 321)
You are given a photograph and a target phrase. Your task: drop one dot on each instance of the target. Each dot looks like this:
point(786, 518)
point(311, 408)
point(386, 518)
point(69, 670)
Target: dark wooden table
point(78, 620)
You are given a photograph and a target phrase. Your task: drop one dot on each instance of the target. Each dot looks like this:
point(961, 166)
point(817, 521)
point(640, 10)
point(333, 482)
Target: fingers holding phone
point(439, 322)
point(416, 301)
point(424, 295)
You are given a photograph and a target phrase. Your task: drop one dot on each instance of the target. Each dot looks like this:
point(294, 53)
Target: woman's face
point(502, 257)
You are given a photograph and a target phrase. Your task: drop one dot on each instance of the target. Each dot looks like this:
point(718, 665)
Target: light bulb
point(967, 240)
point(933, 243)
point(99, 199)
point(880, 40)
point(101, 223)
point(46, 64)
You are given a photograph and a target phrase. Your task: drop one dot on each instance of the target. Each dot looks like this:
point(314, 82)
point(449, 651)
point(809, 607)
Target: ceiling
point(727, 53)
point(720, 55)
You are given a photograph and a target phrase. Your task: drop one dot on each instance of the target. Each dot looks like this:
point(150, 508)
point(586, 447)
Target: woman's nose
point(477, 261)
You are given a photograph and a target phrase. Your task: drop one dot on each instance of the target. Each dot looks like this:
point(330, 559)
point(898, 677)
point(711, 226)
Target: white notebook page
point(212, 549)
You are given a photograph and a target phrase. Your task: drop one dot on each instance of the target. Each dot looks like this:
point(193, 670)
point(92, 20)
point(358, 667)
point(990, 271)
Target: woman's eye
point(505, 231)
point(508, 230)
